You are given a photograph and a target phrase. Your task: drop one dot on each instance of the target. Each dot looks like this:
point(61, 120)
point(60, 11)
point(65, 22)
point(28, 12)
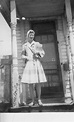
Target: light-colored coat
point(33, 71)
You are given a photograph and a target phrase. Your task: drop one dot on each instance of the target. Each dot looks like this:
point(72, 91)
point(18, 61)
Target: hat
point(30, 31)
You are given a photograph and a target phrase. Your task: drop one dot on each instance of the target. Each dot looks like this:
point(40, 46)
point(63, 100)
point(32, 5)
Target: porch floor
point(49, 105)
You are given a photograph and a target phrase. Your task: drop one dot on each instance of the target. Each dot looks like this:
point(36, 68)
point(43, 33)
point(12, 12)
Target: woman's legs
point(23, 98)
point(38, 88)
point(32, 91)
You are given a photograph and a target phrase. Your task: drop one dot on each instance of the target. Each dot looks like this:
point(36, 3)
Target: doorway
point(45, 33)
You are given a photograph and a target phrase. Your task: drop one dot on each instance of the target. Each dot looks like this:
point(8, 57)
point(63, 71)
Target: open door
point(45, 33)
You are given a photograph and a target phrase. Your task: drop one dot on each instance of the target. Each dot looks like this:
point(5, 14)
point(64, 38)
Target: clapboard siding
point(62, 43)
point(21, 30)
point(63, 59)
point(19, 50)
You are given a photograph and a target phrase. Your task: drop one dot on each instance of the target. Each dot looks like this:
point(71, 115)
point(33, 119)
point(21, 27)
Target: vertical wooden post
point(69, 20)
point(15, 85)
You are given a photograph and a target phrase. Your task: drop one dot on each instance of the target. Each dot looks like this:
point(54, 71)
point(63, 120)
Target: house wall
point(22, 28)
point(64, 53)
point(73, 29)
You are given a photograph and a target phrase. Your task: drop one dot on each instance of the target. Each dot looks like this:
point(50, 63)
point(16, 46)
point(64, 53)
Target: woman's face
point(31, 36)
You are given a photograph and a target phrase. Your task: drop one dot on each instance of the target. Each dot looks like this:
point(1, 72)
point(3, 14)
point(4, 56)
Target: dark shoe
point(22, 104)
point(40, 103)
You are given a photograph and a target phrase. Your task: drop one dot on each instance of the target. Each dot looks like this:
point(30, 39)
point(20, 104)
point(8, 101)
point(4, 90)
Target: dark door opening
point(45, 33)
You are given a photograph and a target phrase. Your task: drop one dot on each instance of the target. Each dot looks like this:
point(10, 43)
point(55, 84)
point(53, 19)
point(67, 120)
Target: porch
point(25, 15)
point(50, 107)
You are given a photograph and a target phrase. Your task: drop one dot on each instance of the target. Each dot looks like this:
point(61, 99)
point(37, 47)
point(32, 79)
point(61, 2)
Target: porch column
point(69, 20)
point(15, 86)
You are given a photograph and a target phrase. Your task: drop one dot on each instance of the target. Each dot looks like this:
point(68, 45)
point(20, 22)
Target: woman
point(33, 72)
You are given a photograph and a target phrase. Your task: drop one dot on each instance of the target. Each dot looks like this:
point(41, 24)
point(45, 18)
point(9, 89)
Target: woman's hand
point(27, 57)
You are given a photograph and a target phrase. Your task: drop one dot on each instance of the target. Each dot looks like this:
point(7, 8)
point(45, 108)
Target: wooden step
point(56, 107)
point(49, 105)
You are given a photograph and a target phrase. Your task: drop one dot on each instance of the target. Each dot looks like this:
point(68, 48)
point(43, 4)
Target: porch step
point(49, 105)
point(55, 107)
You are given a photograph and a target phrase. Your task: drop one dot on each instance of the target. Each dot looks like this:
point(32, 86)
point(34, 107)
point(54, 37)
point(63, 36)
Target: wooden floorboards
point(49, 105)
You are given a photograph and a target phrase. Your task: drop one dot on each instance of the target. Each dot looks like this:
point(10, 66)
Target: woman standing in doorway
point(33, 71)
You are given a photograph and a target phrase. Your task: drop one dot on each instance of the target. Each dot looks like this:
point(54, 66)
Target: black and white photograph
point(36, 57)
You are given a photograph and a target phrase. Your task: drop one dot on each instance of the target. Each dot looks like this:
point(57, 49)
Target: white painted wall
point(5, 37)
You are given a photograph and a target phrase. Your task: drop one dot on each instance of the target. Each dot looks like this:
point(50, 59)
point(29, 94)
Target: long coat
point(33, 71)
